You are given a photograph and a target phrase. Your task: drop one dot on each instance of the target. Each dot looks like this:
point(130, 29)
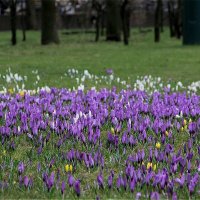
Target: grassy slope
point(168, 59)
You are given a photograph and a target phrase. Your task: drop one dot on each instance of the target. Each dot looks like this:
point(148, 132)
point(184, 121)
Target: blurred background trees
point(111, 20)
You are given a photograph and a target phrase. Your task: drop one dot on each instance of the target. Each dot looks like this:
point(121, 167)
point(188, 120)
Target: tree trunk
point(97, 7)
point(30, 15)
point(171, 18)
point(23, 24)
point(178, 20)
point(161, 17)
point(157, 21)
point(102, 22)
point(97, 27)
point(113, 23)
point(125, 21)
point(49, 29)
point(13, 18)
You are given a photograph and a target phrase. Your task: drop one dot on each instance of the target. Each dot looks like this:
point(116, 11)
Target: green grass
point(168, 59)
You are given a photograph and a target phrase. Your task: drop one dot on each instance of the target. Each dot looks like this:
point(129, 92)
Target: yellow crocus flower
point(158, 145)
point(70, 168)
point(154, 167)
point(112, 130)
point(149, 164)
point(67, 168)
point(10, 90)
point(185, 127)
point(22, 93)
point(166, 133)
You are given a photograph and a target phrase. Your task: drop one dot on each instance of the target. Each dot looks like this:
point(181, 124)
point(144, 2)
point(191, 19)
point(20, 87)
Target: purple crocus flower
point(198, 168)
point(109, 71)
point(138, 195)
point(190, 155)
point(150, 155)
point(50, 181)
point(97, 198)
point(194, 181)
point(192, 127)
point(155, 196)
point(189, 166)
point(100, 180)
point(181, 180)
point(189, 144)
point(131, 141)
point(118, 183)
point(52, 162)
point(124, 139)
point(39, 151)
point(191, 187)
point(91, 161)
point(142, 155)
point(110, 181)
point(70, 180)
point(148, 177)
point(12, 145)
point(21, 167)
point(20, 181)
point(30, 136)
point(156, 154)
point(26, 181)
point(132, 185)
point(31, 182)
point(59, 143)
point(199, 150)
point(44, 176)
point(77, 188)
point(38, 167)
point(63, 187)
point(124, 182)
point(174, 196)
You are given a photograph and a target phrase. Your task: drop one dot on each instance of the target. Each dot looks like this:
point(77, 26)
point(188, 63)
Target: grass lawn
point(168, 59)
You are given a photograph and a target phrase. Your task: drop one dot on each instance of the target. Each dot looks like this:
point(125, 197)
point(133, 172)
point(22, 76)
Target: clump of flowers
point(75, 142)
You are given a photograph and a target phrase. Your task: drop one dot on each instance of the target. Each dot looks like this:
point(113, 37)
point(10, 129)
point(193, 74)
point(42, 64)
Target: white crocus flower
point(8, 79)
point(81, 87)
point(180, 115)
